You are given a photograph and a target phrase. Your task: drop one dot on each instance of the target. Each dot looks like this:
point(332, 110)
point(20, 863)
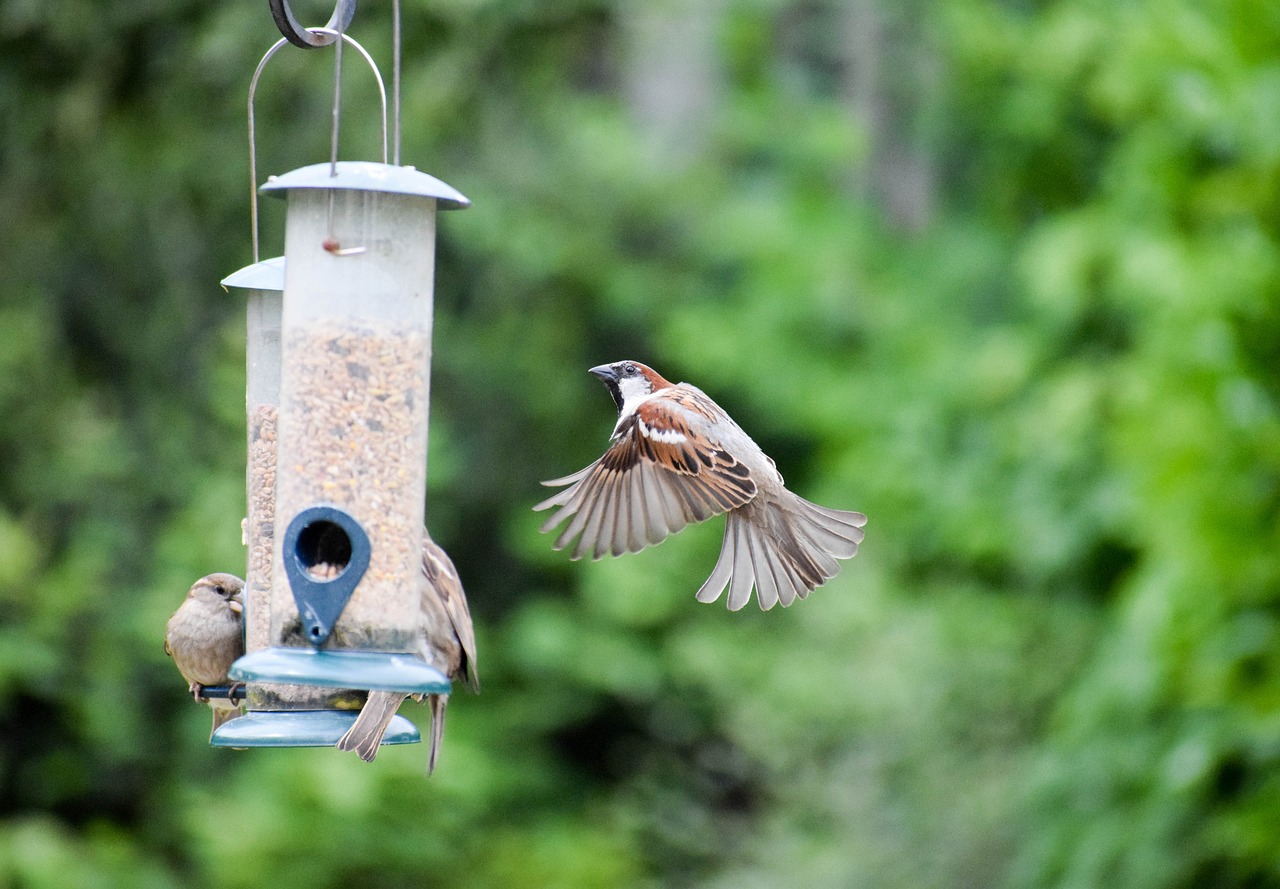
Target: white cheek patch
point(633, 389)
point(666, 436)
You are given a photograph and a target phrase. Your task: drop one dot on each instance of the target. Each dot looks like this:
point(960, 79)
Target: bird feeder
point(338, 381)
point(350, 479)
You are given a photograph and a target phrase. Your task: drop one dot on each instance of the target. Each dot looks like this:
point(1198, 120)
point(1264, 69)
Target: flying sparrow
point(206, 635)
point(676, 457)
point(446, 641)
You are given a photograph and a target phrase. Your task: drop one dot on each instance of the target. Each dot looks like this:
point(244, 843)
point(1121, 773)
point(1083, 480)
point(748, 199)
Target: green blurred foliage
point(1056, 662)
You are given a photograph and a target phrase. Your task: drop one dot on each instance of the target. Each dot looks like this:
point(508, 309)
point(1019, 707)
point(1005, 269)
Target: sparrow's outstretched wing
point(662, 472)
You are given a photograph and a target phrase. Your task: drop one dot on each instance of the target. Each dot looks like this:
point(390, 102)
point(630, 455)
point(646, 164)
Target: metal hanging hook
point(310, 38)
point(395, 79)
point(253, 143)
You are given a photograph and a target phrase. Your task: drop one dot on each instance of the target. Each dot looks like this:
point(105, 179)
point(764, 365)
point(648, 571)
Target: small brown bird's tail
point(438, 703)
point(366, 732)
point(783, 549)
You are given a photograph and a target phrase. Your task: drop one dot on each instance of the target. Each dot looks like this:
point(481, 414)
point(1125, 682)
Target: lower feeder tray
point(302, 728)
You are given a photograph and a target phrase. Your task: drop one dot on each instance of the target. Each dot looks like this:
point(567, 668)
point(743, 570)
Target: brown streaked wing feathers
point(443, 577)
point(654, 479)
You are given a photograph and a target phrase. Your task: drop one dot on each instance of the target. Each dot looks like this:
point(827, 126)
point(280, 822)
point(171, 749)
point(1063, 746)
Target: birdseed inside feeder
point(263, 284)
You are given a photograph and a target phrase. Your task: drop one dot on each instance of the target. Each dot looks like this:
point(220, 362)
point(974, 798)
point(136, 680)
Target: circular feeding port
point(323, 549)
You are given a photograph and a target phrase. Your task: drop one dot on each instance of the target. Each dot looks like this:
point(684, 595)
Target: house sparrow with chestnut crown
point(676, 457)
point(446, 641)
point(206, 635)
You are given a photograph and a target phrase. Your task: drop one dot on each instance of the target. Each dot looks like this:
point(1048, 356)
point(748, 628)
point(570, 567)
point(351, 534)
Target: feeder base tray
point(373, 670)
point(302, 728)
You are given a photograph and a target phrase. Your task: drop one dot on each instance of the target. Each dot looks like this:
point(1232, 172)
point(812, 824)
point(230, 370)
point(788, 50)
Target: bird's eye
point(628, 370)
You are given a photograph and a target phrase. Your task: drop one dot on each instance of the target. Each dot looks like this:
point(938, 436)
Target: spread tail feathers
point(366, 732)
point(783, 550)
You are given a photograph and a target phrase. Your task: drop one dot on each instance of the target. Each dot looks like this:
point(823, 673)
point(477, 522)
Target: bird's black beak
point(609, 377)
point(606, 373)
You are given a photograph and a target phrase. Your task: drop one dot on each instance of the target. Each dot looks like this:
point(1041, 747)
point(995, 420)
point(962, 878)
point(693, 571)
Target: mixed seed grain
point(353, 435)
point(261, 523)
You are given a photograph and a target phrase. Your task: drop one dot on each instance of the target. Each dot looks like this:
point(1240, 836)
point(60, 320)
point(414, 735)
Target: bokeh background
point(1003, 275)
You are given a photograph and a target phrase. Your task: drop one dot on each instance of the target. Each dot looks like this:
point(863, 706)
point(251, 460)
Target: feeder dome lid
point(265, 275)
point(369, 176)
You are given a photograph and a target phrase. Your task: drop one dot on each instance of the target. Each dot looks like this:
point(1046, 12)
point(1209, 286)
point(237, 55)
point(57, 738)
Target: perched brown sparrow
point(446, 641)
point(676, 457)
point(206, 635)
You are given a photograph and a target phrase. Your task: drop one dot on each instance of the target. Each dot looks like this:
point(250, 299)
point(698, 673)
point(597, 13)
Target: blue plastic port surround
point(324, 534)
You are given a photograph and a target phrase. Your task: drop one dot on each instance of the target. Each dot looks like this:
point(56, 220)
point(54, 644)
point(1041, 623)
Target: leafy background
point(1002, 275)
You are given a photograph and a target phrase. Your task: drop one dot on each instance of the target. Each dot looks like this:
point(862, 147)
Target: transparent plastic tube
point(352, 429)
point(263, 404)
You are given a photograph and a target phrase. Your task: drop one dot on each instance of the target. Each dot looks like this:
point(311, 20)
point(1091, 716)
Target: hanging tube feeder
point(339, 351)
